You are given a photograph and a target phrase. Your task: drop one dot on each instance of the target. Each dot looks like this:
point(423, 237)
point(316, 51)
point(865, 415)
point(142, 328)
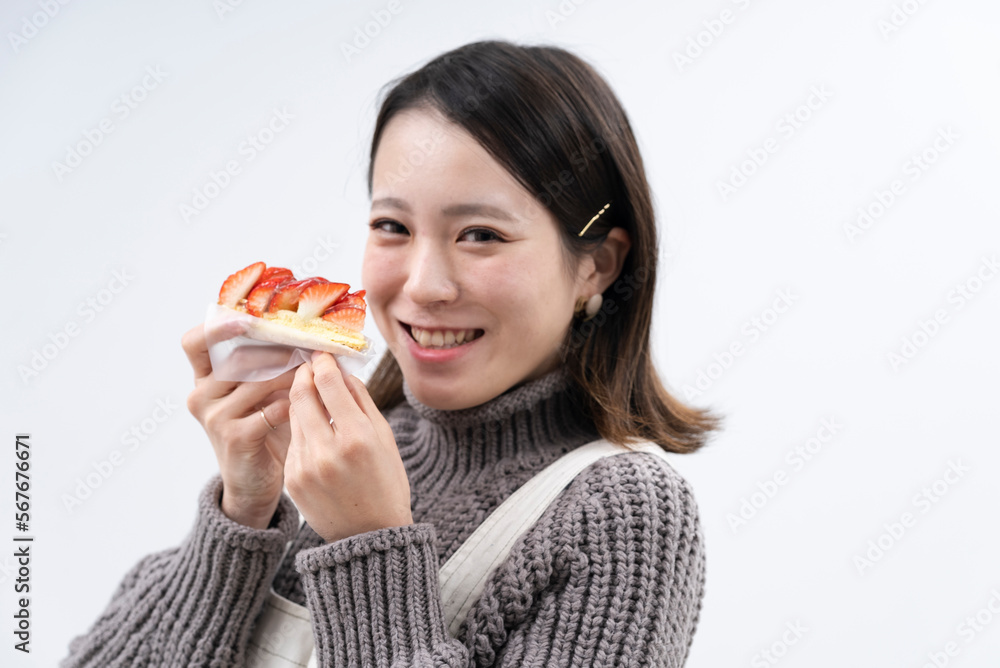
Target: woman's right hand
point(251, 455)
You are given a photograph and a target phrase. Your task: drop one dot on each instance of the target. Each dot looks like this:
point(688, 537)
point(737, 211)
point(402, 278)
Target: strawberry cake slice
point(310, 313)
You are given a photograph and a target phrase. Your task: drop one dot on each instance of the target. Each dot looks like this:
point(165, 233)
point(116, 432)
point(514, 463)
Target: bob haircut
point(558, 128)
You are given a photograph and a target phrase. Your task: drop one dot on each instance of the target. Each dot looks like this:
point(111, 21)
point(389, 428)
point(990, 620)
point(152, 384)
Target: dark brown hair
point(554, 123)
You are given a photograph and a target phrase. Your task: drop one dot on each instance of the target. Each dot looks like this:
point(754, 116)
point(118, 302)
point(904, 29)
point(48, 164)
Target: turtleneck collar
point(526, 426)
point(519, 398)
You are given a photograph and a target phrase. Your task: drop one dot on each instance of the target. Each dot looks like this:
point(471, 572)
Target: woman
point(507, 191)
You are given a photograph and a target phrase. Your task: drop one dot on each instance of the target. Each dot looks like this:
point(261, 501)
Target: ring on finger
point(264, 417)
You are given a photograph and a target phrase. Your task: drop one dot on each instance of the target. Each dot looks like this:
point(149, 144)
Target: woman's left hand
point(346, 477)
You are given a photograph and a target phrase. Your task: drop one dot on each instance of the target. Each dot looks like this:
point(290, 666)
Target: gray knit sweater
point(611, 575)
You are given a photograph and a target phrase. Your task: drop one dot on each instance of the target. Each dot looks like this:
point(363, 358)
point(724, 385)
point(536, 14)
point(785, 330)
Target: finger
point(275, 396)
point(247, 396)
point(329, 382)
point(197, 340)
point(262, 421)
point(215, 389)
point(232, 399)
point(310, 414)
point(294, 453)
point(276, 412)
point(193, 343)
point(246, 435)
point(367, 404)
point(294, 424)
point(223, 329)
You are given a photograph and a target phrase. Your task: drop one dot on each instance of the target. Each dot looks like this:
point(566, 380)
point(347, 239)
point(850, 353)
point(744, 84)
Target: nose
point(430, 276)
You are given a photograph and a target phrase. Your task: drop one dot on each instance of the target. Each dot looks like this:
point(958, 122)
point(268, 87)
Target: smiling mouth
point(441, 339)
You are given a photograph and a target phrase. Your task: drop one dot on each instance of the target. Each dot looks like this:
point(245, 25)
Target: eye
point(483, 231)
point(378, 225)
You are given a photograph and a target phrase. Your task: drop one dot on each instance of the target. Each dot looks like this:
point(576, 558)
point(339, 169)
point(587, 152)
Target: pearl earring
point(593, 306)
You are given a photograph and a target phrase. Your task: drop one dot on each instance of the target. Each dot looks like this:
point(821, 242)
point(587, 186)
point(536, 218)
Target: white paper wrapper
point(243, 347)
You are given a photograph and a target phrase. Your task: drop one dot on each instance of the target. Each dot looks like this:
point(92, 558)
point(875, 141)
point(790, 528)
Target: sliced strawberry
point(355, 299)
point(348, 317)
point(316, 298)
point(340, 306)
point(260, 296)
point(287, 296)
point(238, 285)
point(276, 274)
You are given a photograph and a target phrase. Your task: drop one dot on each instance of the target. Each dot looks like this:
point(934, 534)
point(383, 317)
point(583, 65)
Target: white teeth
point(442, 338)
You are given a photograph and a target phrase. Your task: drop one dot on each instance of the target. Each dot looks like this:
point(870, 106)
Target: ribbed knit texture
point(612, 574)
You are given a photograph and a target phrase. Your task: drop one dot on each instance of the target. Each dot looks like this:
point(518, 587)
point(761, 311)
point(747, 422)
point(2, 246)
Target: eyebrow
point(455, 210)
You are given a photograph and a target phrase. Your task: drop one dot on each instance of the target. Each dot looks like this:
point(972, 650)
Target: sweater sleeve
point(611, 574)
point(192, 605)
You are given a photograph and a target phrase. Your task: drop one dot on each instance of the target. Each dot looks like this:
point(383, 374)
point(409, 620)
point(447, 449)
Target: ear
point(605, 262)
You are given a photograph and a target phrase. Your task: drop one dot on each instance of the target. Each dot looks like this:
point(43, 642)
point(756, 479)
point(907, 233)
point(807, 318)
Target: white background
point(62, 237)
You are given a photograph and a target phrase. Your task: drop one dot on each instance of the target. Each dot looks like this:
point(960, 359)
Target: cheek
point(506, 284)
point(377, 277)
point(529, 292)
point(537, 275)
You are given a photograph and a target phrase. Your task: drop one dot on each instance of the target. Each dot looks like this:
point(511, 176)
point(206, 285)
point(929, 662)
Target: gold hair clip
point(603, 209)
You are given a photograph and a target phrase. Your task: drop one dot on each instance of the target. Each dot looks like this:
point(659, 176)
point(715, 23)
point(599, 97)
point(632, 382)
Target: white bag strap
point(282, 635)
point(463, 577)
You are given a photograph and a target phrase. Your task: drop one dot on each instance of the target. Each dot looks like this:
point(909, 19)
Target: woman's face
point(456, 244)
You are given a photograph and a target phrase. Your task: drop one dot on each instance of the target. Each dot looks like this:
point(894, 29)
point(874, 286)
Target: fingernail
point(316, 353)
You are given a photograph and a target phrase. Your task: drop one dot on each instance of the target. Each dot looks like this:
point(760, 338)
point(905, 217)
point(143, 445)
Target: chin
point(432, 394)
